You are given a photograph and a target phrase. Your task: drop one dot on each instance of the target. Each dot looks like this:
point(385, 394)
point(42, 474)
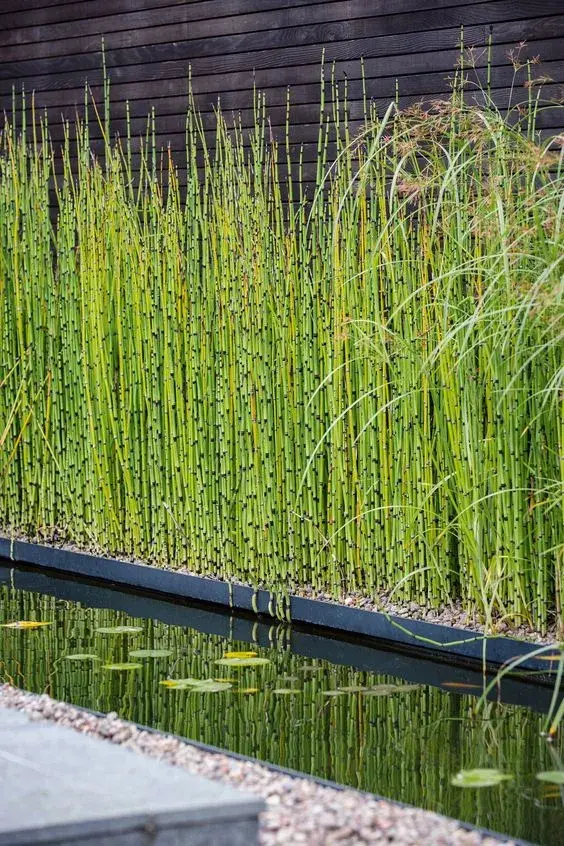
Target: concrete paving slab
point(61, 787)
point(9, 718)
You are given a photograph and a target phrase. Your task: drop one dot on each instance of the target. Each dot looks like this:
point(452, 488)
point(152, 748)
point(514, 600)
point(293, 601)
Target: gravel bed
point(452, 614)
point(298, 810)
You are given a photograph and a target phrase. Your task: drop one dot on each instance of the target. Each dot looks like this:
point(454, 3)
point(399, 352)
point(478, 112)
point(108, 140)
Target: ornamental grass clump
point(353, 386)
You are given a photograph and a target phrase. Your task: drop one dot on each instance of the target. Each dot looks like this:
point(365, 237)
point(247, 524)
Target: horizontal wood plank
point(51, 47)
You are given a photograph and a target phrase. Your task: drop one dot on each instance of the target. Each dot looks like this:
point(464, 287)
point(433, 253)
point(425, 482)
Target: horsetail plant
point(350, 385)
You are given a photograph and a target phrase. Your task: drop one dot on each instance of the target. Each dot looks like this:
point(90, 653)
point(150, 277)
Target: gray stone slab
point(10, 718)
point(61, 787)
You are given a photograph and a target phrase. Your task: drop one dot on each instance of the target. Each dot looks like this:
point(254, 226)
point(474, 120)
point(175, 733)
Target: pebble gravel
point(299, 810)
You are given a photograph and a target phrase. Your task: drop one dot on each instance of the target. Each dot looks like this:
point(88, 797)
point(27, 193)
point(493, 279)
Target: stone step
point(61, 787)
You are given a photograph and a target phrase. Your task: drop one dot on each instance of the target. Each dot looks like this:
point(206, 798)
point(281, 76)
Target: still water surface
point(324, 711)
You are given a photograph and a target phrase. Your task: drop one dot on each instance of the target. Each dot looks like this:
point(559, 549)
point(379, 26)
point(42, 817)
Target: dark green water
point(406, 745)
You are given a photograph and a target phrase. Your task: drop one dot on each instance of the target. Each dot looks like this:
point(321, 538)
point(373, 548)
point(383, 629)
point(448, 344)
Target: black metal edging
point(287, 771)
point(442, 640)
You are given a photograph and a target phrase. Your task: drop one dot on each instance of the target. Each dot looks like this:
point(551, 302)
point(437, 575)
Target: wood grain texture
point(52, 47)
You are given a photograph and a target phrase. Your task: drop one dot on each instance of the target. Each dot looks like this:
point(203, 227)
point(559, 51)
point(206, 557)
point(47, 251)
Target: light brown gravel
point(298, 810)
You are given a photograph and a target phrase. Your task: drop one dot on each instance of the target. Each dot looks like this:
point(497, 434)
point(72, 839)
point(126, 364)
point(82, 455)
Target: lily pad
point(286, 691)
point(25, 624)
point(354, 688)
point(125, 665)
point(150, 653)
point(240, 654)
point(210, 686)
point(479, 778)
point(82, 656)
point(197, 685)
point(111, 630)
point(553, 776)
point(390, 689)
point(243, 662)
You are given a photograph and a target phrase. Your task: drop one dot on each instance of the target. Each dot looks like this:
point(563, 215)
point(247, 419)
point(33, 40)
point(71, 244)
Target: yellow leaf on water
point(25, 624)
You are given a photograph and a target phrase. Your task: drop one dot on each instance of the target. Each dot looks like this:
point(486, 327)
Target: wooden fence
point(408, 46)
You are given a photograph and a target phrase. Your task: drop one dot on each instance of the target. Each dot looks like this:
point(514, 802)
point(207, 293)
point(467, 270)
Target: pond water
point(359, 714)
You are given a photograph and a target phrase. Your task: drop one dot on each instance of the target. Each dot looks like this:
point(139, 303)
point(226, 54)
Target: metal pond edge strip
point(431, 637)
point(286, 771)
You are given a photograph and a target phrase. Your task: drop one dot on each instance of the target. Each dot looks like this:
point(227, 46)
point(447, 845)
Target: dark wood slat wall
point(51, 47)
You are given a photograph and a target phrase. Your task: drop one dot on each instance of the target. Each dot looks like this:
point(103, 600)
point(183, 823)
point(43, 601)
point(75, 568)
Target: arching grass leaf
point(150, 653)
point(126, 665)
point(243, 662)
point(82, 656)
point(479, 778)
point(553, 776)
point(115, 630)
point(25, 624)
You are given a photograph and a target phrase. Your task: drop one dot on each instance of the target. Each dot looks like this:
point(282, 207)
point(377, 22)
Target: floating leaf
point(248, 690)
point(25, 624)
point(286, 691)
point(210, 686)
point(197, 685)
point(479, 778)
point(553, 776)
point(150, 653)
point(390, 689)
point(289, 679)
point(126, 665)
point(119, 630)
point(82, 656)
point(242, 662)
point(333, 693)
point(240, 654)
point(354, 688)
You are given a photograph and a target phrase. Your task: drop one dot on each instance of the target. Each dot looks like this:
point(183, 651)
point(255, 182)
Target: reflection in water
point(402, 744)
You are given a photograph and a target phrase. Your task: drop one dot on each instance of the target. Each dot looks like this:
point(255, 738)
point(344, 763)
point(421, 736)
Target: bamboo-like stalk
point(352, 387)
